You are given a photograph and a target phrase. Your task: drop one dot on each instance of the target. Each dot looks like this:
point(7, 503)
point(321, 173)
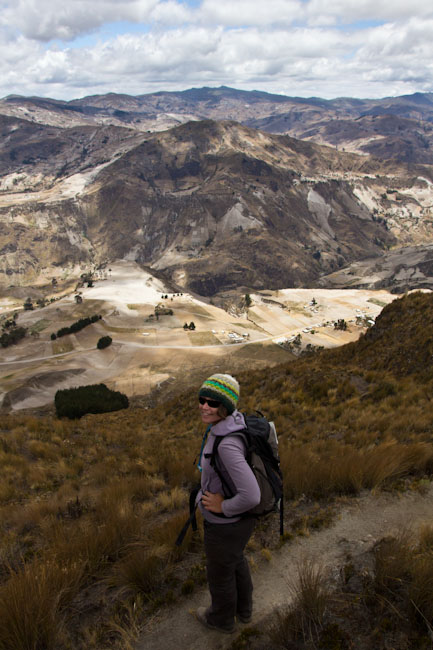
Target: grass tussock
point(315, 471)
point(33, 604)
point(303, 619)
point(142, 571)
point(404, 568)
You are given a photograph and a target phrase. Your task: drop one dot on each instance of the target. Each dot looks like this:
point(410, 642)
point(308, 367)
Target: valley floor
point(149, 350)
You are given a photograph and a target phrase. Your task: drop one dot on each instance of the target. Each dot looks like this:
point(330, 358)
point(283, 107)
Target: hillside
point(398, 270)
point(90, 508)
point(213, 206)
point(217, 189)
point(410, 353)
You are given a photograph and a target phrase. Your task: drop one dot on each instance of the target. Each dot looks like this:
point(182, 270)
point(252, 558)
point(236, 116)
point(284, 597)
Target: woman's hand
point(212, 502)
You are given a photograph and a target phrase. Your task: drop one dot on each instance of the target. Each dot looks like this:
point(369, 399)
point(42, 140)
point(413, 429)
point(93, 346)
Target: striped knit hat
point(222, 388)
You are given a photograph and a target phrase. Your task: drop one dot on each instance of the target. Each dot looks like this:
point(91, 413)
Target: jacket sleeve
point(231, 452)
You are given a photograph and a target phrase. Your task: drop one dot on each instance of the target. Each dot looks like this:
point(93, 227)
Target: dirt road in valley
point(361, 522)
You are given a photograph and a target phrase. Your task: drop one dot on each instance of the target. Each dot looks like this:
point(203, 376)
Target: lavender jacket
point(234, 468)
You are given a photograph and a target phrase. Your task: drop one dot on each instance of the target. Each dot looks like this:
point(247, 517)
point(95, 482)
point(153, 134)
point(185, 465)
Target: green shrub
point(97, 398)
point(12, 337)
point(78, 325)
point(104, 342)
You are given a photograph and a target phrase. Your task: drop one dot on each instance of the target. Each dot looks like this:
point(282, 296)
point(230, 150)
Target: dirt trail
point(359, 525)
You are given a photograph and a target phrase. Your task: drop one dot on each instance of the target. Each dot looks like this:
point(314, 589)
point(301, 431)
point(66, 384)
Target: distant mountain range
point(400, 128)
point(208, 187)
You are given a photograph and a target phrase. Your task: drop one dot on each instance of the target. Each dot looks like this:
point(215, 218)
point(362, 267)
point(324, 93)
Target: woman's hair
point(222, 411)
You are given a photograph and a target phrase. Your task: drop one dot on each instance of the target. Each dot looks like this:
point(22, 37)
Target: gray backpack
point(261, 454)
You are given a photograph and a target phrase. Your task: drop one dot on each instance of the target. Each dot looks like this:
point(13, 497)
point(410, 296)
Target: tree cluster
point(340, 325)
point(73, 403)
point(104, 342)
point(13, 336)
point(76, 327)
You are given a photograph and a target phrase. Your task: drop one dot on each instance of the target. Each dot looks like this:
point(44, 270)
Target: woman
point(225, 532)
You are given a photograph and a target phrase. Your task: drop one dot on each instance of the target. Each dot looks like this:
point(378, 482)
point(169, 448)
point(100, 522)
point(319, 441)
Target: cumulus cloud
point(352, 11)
point(251, 12)
point(325, 48)
point(172, 13)
point(44, 21)
point(195, 53)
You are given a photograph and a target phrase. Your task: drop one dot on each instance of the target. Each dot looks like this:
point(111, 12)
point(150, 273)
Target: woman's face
point(209, 414)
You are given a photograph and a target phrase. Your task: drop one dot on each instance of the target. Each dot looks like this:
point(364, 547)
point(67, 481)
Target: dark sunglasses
point(210, 402)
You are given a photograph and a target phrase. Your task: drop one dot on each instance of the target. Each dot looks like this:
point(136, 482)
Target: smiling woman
point(225, 532)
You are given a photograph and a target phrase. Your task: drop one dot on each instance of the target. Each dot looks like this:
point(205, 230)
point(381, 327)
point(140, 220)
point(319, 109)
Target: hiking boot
point(201, 615)
point(244, 618)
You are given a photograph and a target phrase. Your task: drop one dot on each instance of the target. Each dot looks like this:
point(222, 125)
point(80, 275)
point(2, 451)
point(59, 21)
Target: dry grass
point(403, 578)
point(62, 346)
point(303, 618)
point(120, 330)
point(318, 470)
point(40, 325)
point(142, 571)
point(97, 495)
point(203, 338)
point(33, 604)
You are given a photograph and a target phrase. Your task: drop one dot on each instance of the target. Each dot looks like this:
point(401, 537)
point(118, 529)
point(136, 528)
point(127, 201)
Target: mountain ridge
point(296, 116)
point(205, 202)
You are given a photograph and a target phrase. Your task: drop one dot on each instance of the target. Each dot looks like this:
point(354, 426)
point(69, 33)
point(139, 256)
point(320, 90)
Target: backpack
point(261, 454)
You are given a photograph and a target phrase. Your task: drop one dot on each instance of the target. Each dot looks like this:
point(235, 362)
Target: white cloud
point(315, 47)
point(172, 13)
point(239, 13)
point(351, 11)
point(43, 20)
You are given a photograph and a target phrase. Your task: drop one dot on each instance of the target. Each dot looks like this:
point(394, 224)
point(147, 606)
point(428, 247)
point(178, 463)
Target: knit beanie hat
point(222, 388)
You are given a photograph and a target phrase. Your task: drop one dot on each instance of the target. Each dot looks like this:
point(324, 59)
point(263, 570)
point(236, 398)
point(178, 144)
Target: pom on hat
point(222, 388)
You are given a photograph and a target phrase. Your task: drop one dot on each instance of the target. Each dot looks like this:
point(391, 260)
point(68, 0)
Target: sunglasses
point(210, 402)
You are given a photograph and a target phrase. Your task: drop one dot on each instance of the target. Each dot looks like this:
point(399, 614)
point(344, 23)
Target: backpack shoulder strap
point(215, 462)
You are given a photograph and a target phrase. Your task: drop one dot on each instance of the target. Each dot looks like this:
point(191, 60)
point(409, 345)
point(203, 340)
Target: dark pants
point(228, 573)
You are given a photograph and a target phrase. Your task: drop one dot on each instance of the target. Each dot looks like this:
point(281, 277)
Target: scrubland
point(90, 508)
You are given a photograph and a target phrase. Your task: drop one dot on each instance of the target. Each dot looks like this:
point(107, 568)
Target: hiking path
point(360, 523)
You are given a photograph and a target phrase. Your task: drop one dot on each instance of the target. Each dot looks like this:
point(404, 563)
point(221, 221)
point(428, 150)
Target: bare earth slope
point(213, 206)
point(361, 523)
point(397, 270)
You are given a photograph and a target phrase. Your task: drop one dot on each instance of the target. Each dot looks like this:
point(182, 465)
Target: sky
point(67, 49)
